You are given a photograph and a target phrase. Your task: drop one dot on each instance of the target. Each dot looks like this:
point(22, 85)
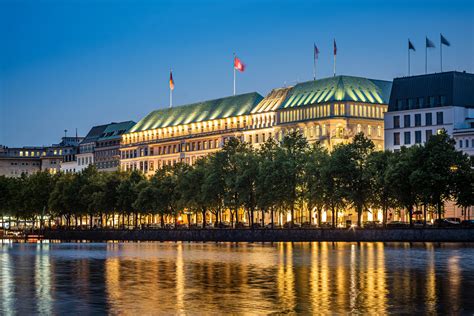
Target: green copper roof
point(198, 112)
point(339, 88)
point(115, 130)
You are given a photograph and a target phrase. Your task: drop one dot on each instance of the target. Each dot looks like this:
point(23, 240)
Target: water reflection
point(146, 278)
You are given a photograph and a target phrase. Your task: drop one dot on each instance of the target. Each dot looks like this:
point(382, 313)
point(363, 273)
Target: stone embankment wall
point(270, 235)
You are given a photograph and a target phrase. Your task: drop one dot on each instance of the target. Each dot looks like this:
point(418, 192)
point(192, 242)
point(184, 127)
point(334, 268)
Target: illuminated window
point(359, 128)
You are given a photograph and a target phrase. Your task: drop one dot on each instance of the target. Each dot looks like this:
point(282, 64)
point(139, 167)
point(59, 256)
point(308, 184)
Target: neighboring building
point(330, 111)
point(16, 161)
point(464, 134)
point(85, 157)
point(106, 154)
point(423, 105)
point(28, 160)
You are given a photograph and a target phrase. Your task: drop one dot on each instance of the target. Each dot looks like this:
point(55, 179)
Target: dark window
point(400, 104)
point(396, 138)
point(439, 118)
point(428, 119)
point(407, 138)
point(467, 143)
point(432, 101)
point(428, 134)
point(460, 143)
point(421, 102)
point(443, 100)
point(411, 103)
point(417, 137)
point(417, 119)
point(406, 121)
point(396, 121)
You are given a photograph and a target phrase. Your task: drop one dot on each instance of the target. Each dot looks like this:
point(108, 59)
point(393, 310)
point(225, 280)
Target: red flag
point(238, 64)
point(171, 81)
point(335, 48)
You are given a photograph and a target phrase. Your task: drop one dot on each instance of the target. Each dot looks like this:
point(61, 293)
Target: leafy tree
point(315, 194)
point(291, 157)
point(378, 163)
point(267, 187)
point(356, 177)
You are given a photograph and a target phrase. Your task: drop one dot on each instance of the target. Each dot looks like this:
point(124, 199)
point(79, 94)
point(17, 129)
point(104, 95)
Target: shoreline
point(269, 235)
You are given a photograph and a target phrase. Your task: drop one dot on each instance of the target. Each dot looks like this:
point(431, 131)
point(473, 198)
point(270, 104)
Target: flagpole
point(171, 98)
point(441, 53)
point(171, 90)
point(334, 65)
point(426, 58)
point(408, 60)
point(314, 68)
point(233, 66)
point(314, 62)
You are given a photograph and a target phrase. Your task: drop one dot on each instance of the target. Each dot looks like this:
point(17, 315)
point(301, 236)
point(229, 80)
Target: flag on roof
point(335, 48)
point(316, 52)
point(411, 46)
point(444, 41)
point(238, 64)
point(171, 81)
point(429, 43)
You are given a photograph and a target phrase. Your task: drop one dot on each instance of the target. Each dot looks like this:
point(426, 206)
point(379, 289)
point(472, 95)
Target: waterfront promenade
point(269, 235)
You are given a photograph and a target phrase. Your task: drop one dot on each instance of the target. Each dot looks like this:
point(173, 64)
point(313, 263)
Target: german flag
point(171, 80)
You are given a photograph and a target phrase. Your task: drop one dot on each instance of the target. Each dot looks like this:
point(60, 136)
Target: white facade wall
point(84, 160)
point(454, 117)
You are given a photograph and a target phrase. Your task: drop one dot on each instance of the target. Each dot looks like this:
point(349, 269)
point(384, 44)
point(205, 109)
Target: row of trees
point(277, 177)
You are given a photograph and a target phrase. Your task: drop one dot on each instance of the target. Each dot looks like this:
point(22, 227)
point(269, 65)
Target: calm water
point(191, 278)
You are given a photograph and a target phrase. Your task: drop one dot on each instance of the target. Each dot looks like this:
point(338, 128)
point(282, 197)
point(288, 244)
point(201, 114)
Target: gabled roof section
point(115, 130)
point(94, 134)
point(339, 88)
point(198, 112)
point(272, 101)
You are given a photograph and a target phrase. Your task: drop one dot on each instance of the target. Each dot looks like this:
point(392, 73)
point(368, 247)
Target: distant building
point(85, 157)
point(16, 161)
point(106, 153)
point(421, 106)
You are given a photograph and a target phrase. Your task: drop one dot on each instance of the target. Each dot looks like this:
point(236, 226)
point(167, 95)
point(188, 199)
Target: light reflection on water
point(147, 278)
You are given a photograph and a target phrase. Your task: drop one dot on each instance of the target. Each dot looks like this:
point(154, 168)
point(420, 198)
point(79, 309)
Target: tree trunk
point(410, 214)
point(439, 209)
point(333, 209)
point(292, 214)
point(263, 218)
point(424, 215)
point(359, 216)
point(272, 220)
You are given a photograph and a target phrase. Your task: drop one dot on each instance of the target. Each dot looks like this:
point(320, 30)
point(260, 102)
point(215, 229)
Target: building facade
point(421, 106)
point(106, 153)
point(329, 111)
point(85, 157)
point(27, 160)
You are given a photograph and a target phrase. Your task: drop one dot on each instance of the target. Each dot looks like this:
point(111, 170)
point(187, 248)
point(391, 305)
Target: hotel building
point(330, 111)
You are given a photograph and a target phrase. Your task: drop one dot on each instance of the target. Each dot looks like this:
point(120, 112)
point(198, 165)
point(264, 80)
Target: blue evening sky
point(78, 63)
